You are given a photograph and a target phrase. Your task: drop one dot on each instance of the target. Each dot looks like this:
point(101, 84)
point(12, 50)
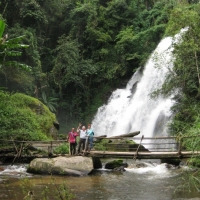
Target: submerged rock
point(72, 166)
point(141, 165)
point(113, 164)
point(119, 169)
point(116, 164)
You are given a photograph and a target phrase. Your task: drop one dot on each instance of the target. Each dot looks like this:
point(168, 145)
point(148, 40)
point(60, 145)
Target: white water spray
point(132, 109)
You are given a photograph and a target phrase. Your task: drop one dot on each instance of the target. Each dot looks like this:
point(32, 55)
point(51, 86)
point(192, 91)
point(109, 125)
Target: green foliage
point(24, 117)
point(50, 102)
point(186, 75)
point(52, 189)
point(101, 145)
point(32, 14)
point(184, 78)
point(11, 48)
point(62, 149)
point(112, 145)
point(31, 56)
point(191, 180)
point(78, 47)
point(2, 27)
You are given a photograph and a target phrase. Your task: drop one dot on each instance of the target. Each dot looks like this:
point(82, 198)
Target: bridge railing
point(18, 147)
point(160, 144)
point(123, 144)
point(153, 144)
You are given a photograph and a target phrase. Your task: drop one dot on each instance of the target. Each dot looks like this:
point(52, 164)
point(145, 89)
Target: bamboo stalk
point(138, 148)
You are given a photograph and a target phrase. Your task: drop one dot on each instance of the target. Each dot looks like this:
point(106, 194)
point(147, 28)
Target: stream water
point(152, 181)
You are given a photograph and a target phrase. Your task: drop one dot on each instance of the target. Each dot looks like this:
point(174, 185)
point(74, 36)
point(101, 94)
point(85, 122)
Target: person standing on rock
point(72, 141)
point(83, 134)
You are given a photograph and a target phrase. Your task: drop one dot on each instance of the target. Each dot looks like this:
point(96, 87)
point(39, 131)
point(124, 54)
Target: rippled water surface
point(153, 182)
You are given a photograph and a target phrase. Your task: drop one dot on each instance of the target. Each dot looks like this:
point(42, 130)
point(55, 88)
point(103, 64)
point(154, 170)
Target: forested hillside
point(80, 51)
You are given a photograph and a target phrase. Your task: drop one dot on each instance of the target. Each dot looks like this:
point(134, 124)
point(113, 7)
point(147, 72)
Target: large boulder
point(72, 166)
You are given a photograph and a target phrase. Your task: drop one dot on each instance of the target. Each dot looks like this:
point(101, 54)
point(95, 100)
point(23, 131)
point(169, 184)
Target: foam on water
point(14, 171)
point(158, 171)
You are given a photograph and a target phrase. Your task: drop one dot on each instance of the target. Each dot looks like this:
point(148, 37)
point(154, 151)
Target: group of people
point(84, 134)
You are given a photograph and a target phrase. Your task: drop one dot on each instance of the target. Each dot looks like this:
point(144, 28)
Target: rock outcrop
point(72, 166)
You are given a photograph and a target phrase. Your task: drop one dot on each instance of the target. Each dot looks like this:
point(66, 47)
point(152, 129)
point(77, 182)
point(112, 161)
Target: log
point(132, 134)
point(102, 136)
point(99, 138)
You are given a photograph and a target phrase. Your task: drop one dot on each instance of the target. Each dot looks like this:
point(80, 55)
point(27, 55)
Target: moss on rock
point(114, 164)
point(25, 117)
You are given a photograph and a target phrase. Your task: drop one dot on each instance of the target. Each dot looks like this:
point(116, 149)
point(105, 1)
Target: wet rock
point(73, 166)
point(119, 169)
point(114, 164)
point(171, 161)
point(125, 165)
point(96, 163)
point(183, 163)
point(169, 166)
point(1, 169)
point(141, 165)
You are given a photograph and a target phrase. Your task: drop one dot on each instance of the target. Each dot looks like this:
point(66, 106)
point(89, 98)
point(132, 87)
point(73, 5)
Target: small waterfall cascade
point(132, 108)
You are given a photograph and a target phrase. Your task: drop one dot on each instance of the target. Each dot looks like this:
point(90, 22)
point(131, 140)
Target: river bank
point(154, 181)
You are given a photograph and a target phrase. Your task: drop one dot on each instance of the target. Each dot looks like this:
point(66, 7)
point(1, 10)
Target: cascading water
point(132, 109)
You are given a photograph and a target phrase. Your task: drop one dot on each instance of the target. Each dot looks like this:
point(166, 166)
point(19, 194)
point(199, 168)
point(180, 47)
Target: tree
point(10, 48)
point(185, 74)
point(184, 77)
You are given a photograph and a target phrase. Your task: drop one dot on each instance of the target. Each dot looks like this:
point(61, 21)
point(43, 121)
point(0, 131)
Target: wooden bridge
point(146, 148)
point(115, 147)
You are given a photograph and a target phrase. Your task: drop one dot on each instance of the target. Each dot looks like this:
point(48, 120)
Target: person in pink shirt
point(72, 141)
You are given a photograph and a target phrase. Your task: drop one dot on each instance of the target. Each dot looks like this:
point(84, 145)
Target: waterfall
point(132, 109)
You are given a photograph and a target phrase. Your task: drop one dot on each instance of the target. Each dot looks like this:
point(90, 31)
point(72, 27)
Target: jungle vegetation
point(79, 51)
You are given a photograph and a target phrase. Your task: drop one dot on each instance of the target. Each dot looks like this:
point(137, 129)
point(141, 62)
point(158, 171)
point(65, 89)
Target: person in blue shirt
point(90, 134)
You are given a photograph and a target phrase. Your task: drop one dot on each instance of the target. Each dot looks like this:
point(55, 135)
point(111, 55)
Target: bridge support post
point(179, 146)
point(50, 149)
point(136, 153)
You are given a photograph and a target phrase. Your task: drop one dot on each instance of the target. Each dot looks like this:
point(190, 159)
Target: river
point(152, 181)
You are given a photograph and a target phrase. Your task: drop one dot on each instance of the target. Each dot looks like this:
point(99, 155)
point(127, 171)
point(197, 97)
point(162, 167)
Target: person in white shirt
point(83, 134)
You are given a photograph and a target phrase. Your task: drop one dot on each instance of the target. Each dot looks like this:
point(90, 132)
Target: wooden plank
point(144, 155)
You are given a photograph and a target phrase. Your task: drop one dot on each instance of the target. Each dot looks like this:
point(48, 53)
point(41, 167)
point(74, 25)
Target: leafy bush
point(50, 190)
point(108, 144)
point(62, 149)
point(101, 145)
point(24, 117)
